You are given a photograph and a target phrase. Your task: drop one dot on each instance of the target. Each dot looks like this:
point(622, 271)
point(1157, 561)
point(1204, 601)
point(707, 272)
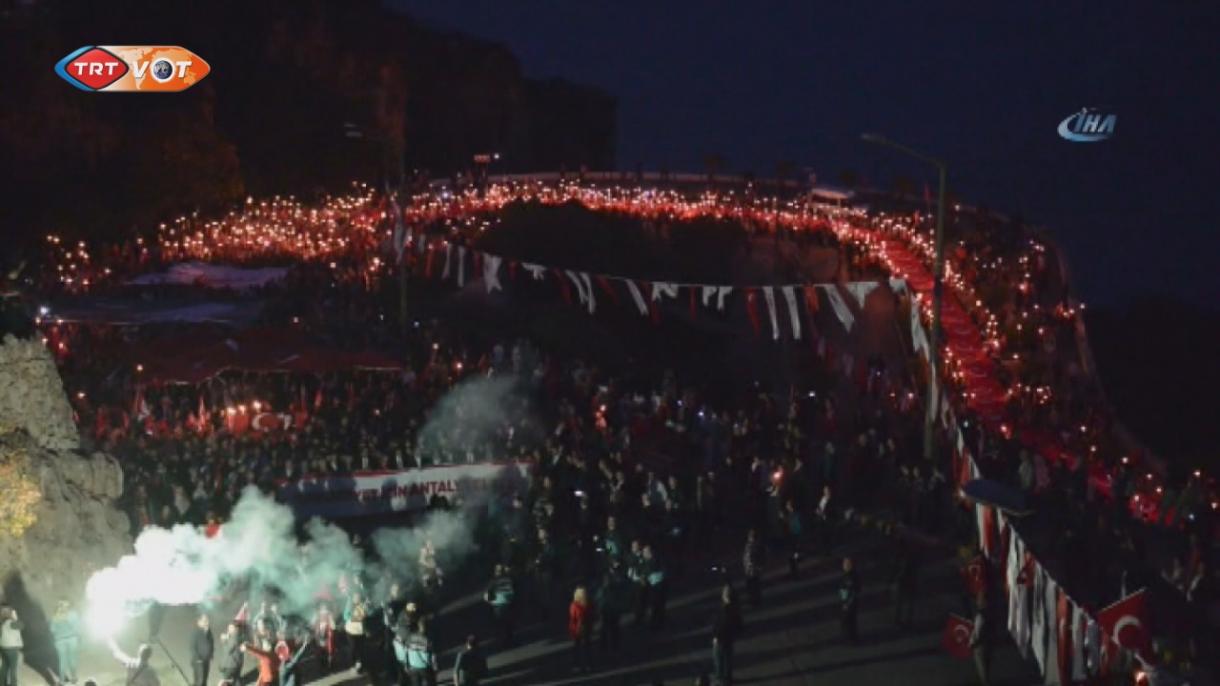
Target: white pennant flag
point(720, 294)
point(1051, 604)
point(1038, 637)
point(536, 270)
point(491, 272)
point(448, 250)
point(769, 295)
point(668, 289)
point(860, 290)
point(899, 286)
point(637, 297)
point(584, 289)
point(841, 310)
point(1018, 596)
point(461, 266)
point(706, 292)
point(1080, 622)
point(919, 337)
point(794, 314)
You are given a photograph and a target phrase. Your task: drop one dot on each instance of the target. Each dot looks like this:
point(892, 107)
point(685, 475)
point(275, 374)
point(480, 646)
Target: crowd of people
point(630, 468)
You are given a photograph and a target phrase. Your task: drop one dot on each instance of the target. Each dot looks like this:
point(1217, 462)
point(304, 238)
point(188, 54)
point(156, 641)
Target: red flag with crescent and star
point(956, 637)
point(1125, 623)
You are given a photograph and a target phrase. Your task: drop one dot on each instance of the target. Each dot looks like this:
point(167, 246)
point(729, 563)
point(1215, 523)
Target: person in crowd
point(612, 598)
point(202, 647)
point(725, 630)
point(324, 633)
point(658, 589)
point(794, 528)
point(637, 574)
point(290, 663)
point(826, 521)
point(849, 600)
point(139, 670)
point(232, 658)
point(980, 640)
point(268, 664)
point(500, 595)
point(11, 645)
point(65, 632)
point(470, 665)
point(355, 614)
point(420, 657)
point(580, 630)
point(904, 583)
point(752, 565)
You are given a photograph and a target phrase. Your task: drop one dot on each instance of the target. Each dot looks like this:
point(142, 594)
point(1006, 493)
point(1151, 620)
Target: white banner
point(367, 493)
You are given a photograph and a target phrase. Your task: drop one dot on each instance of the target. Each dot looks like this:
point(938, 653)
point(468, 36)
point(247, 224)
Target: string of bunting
point(786, 304)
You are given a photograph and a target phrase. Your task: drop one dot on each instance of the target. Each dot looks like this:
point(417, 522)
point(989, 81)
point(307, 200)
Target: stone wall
point(76, 525)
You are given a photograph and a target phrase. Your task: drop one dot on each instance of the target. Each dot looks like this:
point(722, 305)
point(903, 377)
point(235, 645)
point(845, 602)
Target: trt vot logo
point(132, 68)
point(1089, 125)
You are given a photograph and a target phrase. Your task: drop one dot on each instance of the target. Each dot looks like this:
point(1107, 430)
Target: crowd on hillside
point(188, 450)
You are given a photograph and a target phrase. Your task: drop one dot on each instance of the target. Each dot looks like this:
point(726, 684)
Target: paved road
point(792, 639)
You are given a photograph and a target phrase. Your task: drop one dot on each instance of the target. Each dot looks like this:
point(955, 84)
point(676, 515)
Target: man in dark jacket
point(905, 583)
point(849, 600)
point(231, 656)
point(724, 635)
point(501, 596)
point(470, 666)
point(752, 563)
point(202, 647)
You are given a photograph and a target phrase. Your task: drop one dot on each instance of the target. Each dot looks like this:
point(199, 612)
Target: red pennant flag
point(811, 298)
point(955, 640)
point(512, 269)
point(428, 263)
point(988, 534)
point(1126, 624)
point(691, 291)
point(607, 288)
point(654, 307)
point(243, 615)
point(563, 286)
point(752, 310)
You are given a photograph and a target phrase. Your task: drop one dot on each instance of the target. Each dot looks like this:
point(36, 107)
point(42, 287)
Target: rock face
point(75, 525)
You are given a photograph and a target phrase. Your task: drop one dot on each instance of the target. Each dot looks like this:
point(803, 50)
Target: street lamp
point(938, 284)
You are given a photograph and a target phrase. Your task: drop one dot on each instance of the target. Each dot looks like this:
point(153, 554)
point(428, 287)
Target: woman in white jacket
point(10, 646)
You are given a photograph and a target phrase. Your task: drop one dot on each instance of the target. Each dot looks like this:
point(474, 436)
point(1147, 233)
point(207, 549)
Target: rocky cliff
point(58, 519)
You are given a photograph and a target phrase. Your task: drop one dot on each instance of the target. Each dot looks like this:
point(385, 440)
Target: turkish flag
point(975, 575)
point(1126, 624)
point(956, 638)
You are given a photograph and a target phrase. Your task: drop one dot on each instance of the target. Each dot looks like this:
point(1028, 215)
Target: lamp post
point(938, 284)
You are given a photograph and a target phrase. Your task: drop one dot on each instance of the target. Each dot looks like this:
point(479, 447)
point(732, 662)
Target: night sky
point(982, 86)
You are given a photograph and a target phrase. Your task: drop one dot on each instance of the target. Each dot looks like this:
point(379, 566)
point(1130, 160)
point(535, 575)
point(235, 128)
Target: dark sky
point(980, 85)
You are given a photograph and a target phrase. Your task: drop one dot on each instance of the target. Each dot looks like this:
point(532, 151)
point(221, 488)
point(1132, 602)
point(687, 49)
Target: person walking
point(354, 616)
point(11, 645)
point(612, 598)
point(658, 591)
point(636, 573)
point(203, 645)
point(794, 528)
point(288, 665)
point(905, 584)
point(139, 670)
point(420, 657)
point(725, 631)
point(752, 564)
point(470, 665)
point(65, 631)
point(849, 600)
point(580, 630)
point(500, 595)
point(232, 659)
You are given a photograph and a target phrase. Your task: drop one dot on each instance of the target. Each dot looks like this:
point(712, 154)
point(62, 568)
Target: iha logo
point(132, 68)
point(1089, 125)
